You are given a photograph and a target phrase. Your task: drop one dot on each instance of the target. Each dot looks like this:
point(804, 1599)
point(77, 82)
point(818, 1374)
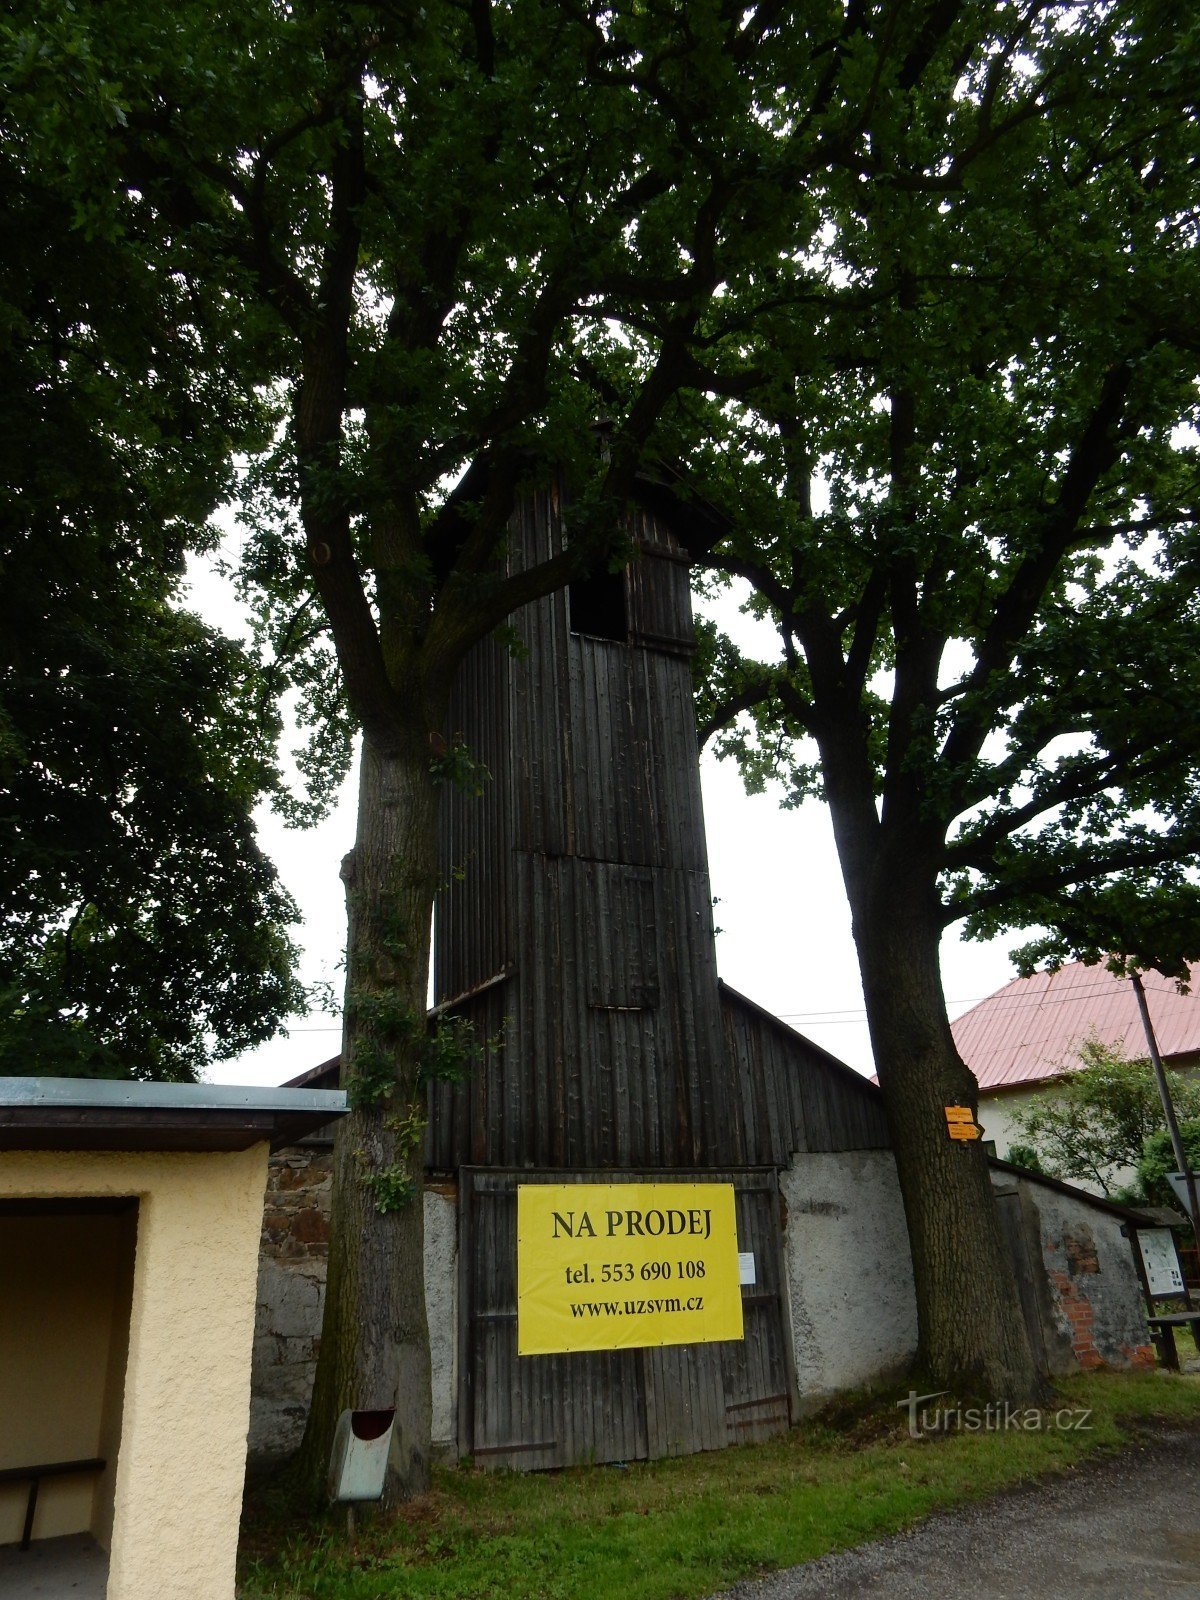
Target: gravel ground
point(1127, 1528)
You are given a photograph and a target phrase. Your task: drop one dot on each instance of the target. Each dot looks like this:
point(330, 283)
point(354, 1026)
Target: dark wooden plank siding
point(581, 873)
point(760, 1386)
point(472, 924)
point(660, 605)
point(561, 1083)
point(619, 1405)
point(604, 734)
point(794, 1096)
point(601, 1063)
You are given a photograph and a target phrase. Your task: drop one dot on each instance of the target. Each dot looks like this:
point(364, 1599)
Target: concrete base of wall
point(441, 1309)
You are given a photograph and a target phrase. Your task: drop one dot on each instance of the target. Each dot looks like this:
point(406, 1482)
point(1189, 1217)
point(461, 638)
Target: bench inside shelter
point(33, 1477)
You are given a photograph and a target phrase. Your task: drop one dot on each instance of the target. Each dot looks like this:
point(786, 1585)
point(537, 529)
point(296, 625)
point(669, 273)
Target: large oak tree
point(450, 235)
point(957, 462)
point(431, 222)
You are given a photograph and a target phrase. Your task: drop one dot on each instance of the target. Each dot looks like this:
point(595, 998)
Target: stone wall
point(849, 1284)
point(291, 1293)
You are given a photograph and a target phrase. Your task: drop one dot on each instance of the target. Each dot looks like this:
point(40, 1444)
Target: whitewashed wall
point(854, 1314)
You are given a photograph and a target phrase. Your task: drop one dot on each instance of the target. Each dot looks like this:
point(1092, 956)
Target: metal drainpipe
point(1168, 1104)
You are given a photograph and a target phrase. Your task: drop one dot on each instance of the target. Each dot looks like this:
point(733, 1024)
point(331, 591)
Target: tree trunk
point(375, 1338)
point(972, 1337)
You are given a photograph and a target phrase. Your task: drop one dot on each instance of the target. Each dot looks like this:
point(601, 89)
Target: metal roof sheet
point(106, 1114)
point(1032, 1029)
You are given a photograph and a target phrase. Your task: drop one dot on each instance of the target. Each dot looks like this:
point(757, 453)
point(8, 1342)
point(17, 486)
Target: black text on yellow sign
point(622, 1265)
point(960, 1124)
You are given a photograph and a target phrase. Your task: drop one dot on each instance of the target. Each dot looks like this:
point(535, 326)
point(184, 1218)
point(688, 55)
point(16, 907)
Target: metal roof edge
point(1009, 1086)
point(84, 1094)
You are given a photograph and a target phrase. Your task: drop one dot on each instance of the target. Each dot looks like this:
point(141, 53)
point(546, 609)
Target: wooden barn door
point(620, 1405)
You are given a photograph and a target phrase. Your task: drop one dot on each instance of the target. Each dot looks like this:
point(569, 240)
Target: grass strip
point(680, 1529)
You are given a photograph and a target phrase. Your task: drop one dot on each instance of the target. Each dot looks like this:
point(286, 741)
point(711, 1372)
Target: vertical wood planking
point(536, 1411)
point(610, 1047)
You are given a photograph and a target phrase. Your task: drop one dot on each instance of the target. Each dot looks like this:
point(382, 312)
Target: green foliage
point(396, 1184)
point(958, 459)
point(1158, 1158)
point(390, 1031)
point(452, 1044)
point(1096, 1121)
point(372, 1074)
point(142, 933)
point(460, 767)
point(392, 1188)
point(1025, 1155)
point(691, 1527)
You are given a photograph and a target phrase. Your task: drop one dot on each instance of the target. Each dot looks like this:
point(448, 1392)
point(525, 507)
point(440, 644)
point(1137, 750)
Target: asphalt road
point(1123, 1529)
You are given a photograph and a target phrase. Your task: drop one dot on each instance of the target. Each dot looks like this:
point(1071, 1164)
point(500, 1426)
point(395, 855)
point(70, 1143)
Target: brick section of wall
point(1081, 1318)
point(291, 1288)
point(1096, 1291)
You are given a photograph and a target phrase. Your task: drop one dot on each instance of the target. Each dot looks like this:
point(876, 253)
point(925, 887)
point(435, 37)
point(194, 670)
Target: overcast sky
point(785, 926)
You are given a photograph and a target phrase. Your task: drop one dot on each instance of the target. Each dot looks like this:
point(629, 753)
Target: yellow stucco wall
point(104, 1505)
point(59, 1283)
point(183, 1422)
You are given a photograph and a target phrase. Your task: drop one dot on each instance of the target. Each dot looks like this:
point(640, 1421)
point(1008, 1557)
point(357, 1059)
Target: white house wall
point(996, 1116)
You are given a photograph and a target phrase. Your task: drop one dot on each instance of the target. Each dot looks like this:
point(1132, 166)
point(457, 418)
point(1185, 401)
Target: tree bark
point(375, 1338)
point(972, 1336)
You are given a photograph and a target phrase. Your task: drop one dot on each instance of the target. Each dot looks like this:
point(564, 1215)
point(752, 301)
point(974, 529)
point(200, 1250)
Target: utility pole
point(1168, 1105)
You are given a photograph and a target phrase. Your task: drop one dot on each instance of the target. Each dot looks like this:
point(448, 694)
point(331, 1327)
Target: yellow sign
point(621, 1265)
point(960, 1124)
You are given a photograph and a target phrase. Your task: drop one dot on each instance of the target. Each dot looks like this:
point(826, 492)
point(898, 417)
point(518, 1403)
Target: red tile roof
point(1033, 1027)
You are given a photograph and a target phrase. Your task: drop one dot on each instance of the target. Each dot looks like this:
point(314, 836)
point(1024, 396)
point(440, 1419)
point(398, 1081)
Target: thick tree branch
point(1088, 865)
point(1095, 451)
point(318, 413)
point(974, 849)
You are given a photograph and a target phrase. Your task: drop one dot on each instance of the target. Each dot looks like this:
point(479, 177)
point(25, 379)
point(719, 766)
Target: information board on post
point(624, 1265)
point(1160, 1257)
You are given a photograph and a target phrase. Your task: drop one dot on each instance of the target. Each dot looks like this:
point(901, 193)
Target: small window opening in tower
point(596, 606)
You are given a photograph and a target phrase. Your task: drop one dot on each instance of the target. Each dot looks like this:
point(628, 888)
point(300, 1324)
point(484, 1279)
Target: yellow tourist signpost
point(621, 1265)
point(960, 1124)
